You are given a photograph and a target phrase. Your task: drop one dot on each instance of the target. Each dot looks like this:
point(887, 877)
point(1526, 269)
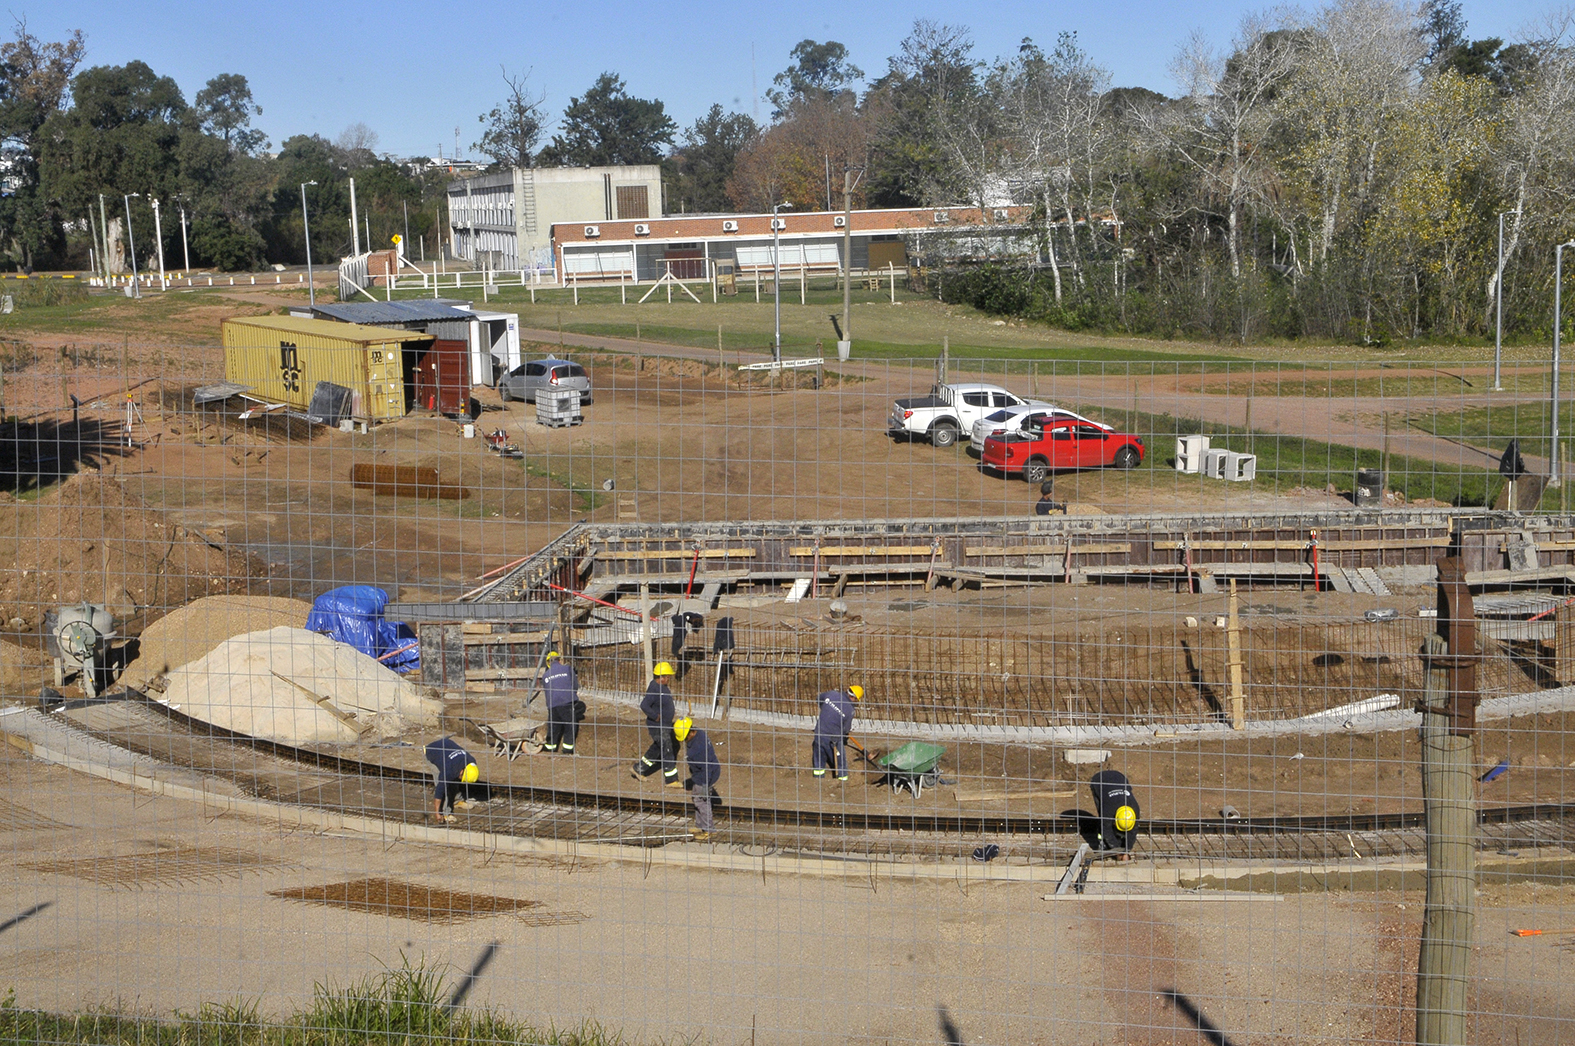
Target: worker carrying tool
point(1047, 505)
point(452, 769)
point(1117, 809)
point(563, 690)
point(704, 772)
point(831, 731)
point(659, 715)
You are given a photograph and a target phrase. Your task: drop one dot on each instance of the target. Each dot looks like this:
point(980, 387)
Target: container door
point(451, 360)
point(385, 391)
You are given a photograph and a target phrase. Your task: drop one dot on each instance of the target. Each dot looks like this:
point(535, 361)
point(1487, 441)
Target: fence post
point(1448, 722)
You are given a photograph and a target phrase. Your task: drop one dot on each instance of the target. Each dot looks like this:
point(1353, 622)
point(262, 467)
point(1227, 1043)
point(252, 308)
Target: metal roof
point(392, 313)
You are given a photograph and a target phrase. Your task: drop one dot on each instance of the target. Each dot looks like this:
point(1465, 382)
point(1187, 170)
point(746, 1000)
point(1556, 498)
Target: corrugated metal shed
point(394, 313)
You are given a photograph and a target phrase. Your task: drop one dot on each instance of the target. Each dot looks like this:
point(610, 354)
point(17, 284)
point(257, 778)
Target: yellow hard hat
point(681, 727)
point(1126, 819)
point(470, 774)
point(663, 669)
point(552, 654)
point(857, 692)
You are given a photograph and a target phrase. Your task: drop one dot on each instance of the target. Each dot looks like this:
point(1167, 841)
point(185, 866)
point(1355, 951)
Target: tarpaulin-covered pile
point(353, 614)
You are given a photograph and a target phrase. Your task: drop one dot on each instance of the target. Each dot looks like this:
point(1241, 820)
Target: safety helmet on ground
point(857, 692)
point(663, 669)
point(1126, 819)
point(470, 774)
point(552, 654)
point(681, 727)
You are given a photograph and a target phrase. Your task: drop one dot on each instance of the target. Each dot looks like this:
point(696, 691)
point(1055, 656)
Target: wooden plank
point(1337, 579)
point(1259, 569)
point(1118, 548)
point(1238, 703)
point(983, 794)
point(328, 706)
point(1137, 568)
point(1363, 545)
point(862, 550)
point(1506, 577)
point(612, 581)
point(681, 553)
point(506, 639)
point(473, 675)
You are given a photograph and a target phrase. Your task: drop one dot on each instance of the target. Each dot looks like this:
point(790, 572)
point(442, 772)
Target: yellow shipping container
point(282, 359)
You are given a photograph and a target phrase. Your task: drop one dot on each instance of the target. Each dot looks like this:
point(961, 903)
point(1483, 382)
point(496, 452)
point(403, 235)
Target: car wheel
point(943, 435)
point(503, 393)
point(1128, 458)
point(1035, 471)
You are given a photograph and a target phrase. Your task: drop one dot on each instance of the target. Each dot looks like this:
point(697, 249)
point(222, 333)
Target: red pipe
point(401, 650)
point(693, 567)
point(593, 599)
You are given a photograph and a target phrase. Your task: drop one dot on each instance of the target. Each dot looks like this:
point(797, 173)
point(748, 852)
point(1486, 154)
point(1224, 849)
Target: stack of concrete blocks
point(1189, 453)
point(557, 407)
point(1227, 465)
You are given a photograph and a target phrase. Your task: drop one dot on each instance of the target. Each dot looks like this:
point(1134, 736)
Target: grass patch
point(394, 1008)
point(1491, 428)
point(587, 496)
point(1289, 462)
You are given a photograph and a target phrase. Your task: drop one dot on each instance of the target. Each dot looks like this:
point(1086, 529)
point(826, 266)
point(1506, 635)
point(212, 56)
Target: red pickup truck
point(1064, 445)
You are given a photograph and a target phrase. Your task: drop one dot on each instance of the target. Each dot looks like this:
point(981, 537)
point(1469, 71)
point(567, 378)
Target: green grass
point(398, 1007)
point(587, 495)
point(1289, 462)
point(1493, 427)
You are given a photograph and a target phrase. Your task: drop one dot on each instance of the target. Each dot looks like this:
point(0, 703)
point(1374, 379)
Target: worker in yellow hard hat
point(704, 772)
point(659, 715)
point(453, 770)
point(832, 727)
point(1117, 808)
point(563, 691)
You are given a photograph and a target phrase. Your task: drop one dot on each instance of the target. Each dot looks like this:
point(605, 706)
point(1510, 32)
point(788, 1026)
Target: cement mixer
point(78, 636)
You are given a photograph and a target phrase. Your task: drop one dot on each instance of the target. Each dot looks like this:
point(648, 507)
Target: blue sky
point(413, 72)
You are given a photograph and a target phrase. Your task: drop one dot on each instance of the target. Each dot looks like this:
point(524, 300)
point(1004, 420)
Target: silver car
point(522, 382)
point(1009, 420)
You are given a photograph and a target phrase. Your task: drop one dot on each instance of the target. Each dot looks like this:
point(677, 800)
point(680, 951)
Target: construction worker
point(832, 729)
point(1047, 505)
point(659, 715)
point(704, 771)
point(1116, 806)
point(452, 769)
point(563, 690)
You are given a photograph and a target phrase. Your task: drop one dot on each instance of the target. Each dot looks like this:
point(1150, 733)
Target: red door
point(1091, 442)
point(1060, 447)
point(443, 377)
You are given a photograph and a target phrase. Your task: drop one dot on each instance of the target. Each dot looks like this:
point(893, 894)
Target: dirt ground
point(155, 904)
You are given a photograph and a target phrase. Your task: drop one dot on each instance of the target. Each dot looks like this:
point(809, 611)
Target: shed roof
point(347, 332)
point(389, 313)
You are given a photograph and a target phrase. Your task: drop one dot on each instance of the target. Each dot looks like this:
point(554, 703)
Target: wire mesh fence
point(236, 622)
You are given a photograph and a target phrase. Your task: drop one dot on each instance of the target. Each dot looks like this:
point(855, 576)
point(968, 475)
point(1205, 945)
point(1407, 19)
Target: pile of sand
point(23, 669)
point(187, 633)
point(287, 684)
point(91, 539)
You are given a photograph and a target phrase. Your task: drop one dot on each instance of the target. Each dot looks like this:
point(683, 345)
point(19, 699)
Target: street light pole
point(158, 235)
point(136, 288)
point(1498, 294)
point(847, 254)
point(776, 275)
point(1554, 477)
point(306, 226)
point(103, 220)
point(184, 250)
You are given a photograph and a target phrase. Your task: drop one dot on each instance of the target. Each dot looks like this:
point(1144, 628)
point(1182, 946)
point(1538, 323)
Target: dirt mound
point(91, 540)
point(288, 684)
point(23, 669)
point(189, 632)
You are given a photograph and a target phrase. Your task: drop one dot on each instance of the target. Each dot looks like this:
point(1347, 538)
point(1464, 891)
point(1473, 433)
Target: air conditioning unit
point(729, 226)
point(642, 230)
point(778, 224)
point(1001, 214)
point(592, 231)
point(942, 216)
point(839, 222)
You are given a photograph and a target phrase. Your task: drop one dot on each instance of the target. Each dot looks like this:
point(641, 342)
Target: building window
point(634, 201)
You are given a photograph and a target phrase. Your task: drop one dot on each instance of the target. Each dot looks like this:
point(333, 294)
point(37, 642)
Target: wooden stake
point(1238, 700)
point(645, 630)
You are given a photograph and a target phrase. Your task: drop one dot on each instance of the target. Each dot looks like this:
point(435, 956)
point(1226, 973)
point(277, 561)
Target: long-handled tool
point(541, 663)
point(1537, 933)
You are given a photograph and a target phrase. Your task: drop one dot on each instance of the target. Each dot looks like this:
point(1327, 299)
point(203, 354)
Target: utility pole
point(1498, 295)
point(158, 236)
point(306, 227)
point(355, 230)
point(136, 288)
point(1449, 705)
point(1555, 478)
point(184, 249)
point(848, 182)
point(104, 221)
point(776, 275)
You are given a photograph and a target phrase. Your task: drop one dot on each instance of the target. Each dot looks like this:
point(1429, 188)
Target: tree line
point(1334, 174)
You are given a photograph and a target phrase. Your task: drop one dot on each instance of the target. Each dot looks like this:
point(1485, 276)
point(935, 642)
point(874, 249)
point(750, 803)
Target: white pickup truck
point(949, 411)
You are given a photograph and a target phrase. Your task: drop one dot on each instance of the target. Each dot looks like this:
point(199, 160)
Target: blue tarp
point(353, 614)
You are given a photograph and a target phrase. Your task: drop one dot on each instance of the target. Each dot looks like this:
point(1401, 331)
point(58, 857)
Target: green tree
point(817, 69)
point(698, 172)
point(932, 72)
point(513, 128)
point(608, 126)
point(308, 158)
point(33, 80)
point(225, 108)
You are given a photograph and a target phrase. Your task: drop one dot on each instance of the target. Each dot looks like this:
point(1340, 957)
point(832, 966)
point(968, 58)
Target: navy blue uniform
point(704, 770)
point(563, 689)
point(831, 733)
point(448, 761)
point(1111, 793)
point(659, 715)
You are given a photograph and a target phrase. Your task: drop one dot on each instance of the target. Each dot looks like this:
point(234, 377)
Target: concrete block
point(1086, 756)
point(1189, 453)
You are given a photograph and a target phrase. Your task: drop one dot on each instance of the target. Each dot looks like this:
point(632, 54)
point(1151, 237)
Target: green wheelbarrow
point(912, 766)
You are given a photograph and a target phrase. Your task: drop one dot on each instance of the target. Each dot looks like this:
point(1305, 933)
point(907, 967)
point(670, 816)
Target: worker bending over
point(704, 771)
point(563, 690)
point(1117, 808)
point(659, 715)
point(832, 729)
point(452, 769)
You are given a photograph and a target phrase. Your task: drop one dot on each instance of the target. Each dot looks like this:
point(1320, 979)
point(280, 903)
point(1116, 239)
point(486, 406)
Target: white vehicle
point(949, 411)
point(1010, 420)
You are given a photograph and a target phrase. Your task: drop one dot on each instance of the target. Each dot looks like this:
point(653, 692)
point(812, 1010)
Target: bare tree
point(514, 128)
